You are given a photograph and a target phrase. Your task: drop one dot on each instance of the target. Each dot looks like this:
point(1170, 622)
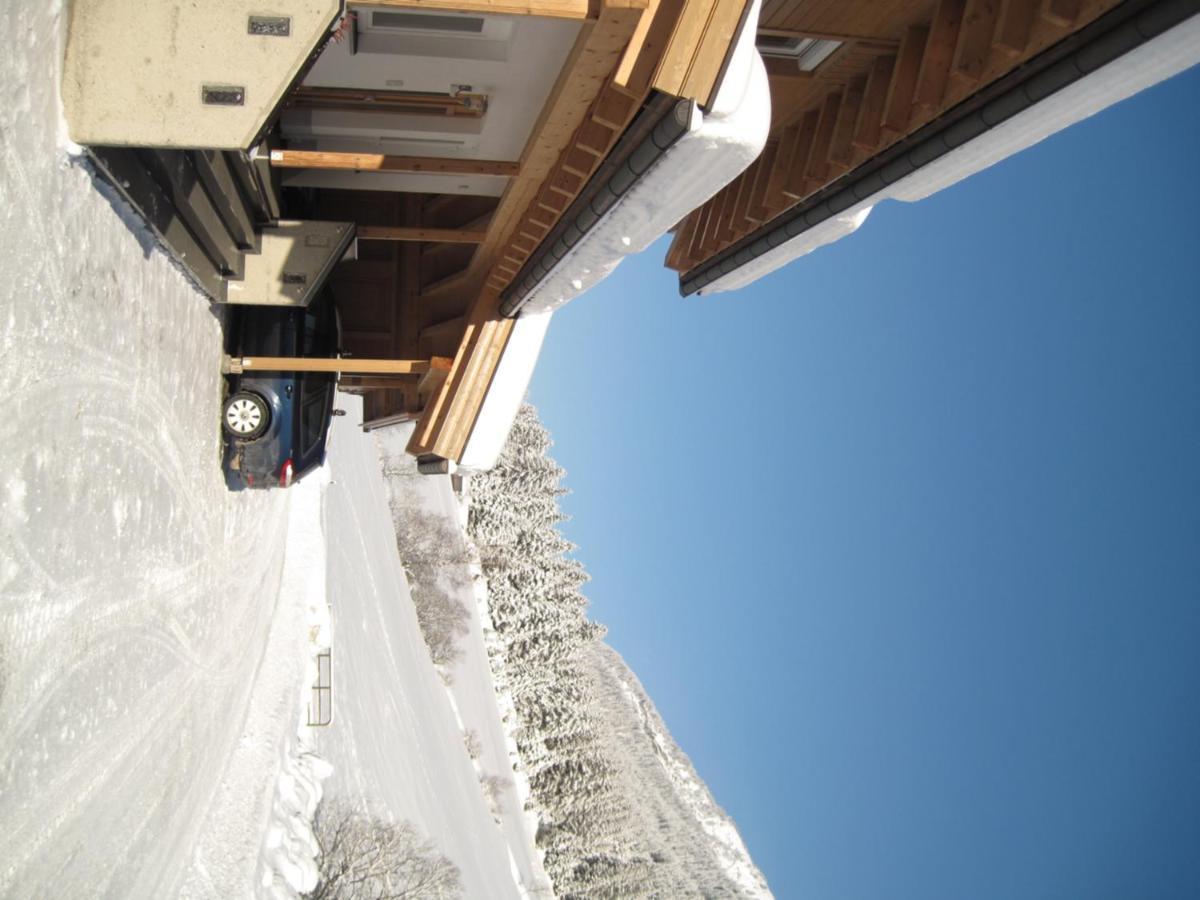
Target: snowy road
point(137, 594)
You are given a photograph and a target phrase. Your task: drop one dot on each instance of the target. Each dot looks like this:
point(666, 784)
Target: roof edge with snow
point(1115, 57)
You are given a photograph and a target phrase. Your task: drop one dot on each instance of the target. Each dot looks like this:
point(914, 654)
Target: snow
point(157, 629)
point(396, 743)
point(151, 661)
point(471, 691)
point(1166, 55)
point(718, 147)
point(506, 392)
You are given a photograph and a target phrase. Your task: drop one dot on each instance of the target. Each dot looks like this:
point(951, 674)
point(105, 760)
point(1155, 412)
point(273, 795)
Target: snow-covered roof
point(717, 146)
point(1153, 61)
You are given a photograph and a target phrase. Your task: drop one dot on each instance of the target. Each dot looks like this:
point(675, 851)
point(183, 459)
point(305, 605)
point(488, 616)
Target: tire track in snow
point(134, 588)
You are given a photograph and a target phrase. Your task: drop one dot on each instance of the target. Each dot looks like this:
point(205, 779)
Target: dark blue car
point(276, 423)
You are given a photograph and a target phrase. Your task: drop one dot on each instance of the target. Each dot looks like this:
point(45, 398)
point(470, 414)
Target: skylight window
point(808, 52)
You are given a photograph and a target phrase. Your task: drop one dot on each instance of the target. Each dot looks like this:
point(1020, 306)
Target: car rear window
point(314, 393)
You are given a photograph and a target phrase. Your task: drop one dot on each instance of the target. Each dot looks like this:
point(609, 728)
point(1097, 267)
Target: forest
point(622, 812)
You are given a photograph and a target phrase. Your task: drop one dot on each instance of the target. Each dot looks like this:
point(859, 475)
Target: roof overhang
point(703, 152)
point(666, 53)
point(1118, 55)
point(690, 155)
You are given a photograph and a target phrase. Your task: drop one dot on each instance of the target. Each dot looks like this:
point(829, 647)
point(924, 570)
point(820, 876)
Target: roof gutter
point(1110, 37)
point(662, 122)
point(673, 158)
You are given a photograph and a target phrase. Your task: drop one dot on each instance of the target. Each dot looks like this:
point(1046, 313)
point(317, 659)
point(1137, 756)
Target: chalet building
point(456, 170)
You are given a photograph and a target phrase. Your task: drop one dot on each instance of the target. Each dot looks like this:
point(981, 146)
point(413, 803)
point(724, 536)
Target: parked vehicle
point(276, 423)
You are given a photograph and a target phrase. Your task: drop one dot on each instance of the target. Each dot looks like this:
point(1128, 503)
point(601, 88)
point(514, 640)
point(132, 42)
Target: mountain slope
point(679, 817)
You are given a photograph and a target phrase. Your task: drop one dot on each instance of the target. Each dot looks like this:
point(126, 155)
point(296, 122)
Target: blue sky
point(904, 539)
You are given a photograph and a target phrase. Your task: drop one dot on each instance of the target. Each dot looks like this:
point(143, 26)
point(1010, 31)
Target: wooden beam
point(712, 227)
point(975, 38)
point(741, 209)
point(725, 232)
point(406, 311)
point(680, 242)
point(1062, 13)
point(1015, 25)
point(378, 162)
point(897, 110)
point(239, 364)
point(596, 52)
point(637, 66)
point(696, 248)
point(779, 171)
point(817, 170)
point(448, 286)
point(708, 60)
point(432, 235)
point(685, 37)
point(795, 186)
point(939, 54)
point(443, 328)
point(374, 382)
point(551, 9)
point(843, 129)
point(760, 210)
point(870, 116)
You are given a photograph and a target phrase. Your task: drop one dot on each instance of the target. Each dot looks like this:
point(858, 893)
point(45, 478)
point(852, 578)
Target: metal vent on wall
point(422, 22)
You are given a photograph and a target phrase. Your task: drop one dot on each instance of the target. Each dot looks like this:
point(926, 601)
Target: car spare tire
point(245, 416)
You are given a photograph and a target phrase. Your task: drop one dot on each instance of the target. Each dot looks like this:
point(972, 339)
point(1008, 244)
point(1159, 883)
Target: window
point(314, 396)
point(808, 52)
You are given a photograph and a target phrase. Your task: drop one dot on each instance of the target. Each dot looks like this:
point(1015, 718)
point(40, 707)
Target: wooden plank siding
point(902, 65)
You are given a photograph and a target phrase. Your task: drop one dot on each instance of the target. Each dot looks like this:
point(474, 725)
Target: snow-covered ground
point(395, 742)
point(471, 689)
point(150, 668)
point(156, 629)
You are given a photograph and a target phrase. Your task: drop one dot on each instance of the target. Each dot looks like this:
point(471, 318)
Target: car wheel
point(246, 416)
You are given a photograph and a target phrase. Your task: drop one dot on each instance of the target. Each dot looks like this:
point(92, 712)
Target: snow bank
point(506, 392)
point(288, 855)
point(1156, 60)
point(477, 704)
